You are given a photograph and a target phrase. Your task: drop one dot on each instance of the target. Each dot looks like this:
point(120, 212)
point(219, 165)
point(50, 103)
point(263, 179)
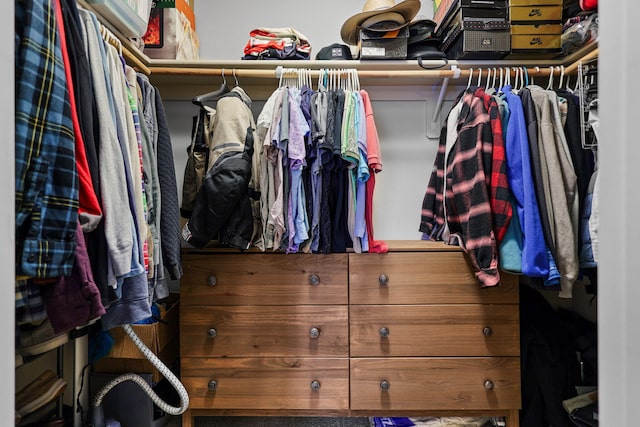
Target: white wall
point(223, 27)
point(618, 314)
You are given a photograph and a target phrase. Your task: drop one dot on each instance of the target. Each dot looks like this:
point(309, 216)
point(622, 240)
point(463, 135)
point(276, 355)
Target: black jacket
point(222, 209)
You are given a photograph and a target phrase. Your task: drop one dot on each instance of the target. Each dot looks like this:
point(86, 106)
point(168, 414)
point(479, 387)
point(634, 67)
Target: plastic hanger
point(233, 71)
point(561, 76)
point(470, 77)
point(550, 85)
point(516, 77)
point(212, 96)
point(493, 82)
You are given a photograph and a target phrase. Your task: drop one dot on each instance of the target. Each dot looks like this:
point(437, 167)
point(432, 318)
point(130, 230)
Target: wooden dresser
point(405, 333)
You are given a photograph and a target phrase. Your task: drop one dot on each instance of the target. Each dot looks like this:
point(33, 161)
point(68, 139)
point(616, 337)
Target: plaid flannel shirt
point(46, 184)
point(467, 184)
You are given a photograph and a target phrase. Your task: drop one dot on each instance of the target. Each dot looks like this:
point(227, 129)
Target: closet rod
point(364, 74)
point(133, 60)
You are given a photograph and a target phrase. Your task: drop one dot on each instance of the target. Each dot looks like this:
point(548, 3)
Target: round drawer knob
point(314, 280)
point(212, 333)
point(383, 280)
point(213, 385)
point(384, 385)
point(314, 333)
point(212, 280)
point(384, 332)
point(315, 385)
point(489, 385)
point(487, 331)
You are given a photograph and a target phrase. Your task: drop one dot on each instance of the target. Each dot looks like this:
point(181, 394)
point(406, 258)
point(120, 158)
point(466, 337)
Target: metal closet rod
point(442, 74)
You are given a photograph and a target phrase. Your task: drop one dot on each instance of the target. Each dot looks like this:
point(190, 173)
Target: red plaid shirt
point(475, 185)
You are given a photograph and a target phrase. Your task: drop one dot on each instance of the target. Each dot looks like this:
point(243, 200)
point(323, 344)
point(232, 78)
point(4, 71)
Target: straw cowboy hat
point(376, 11)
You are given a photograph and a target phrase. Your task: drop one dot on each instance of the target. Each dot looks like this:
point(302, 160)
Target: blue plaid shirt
point(46, 176)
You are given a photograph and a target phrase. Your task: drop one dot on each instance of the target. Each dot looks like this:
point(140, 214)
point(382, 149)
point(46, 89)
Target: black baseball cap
point(334, 51)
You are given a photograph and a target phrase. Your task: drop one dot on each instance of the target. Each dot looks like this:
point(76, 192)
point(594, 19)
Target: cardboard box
point(539, 41)
point(161, 337)
point(535, 13)
point(534, 2)
point(171, 33)
point(384, 45)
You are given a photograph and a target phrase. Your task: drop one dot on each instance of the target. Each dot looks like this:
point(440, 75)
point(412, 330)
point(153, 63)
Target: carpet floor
point(274, 422)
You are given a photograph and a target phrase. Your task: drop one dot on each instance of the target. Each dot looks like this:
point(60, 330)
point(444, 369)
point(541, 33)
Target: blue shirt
point(534, 250)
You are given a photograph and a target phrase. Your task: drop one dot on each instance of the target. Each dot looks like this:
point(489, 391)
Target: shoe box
point(536, 28)
point(474, 29)
point(495, 29)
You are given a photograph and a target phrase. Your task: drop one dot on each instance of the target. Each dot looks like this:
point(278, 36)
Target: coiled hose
point(97, 411)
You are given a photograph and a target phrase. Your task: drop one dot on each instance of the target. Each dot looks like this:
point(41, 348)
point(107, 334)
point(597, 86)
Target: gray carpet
point(275, 422)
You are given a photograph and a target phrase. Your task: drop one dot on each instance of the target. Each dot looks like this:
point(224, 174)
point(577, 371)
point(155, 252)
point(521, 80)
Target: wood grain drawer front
point(422, 278)
point(434, 330)
point(267, 331)
point(266, 383)
point(263, 279)
point(435, 383)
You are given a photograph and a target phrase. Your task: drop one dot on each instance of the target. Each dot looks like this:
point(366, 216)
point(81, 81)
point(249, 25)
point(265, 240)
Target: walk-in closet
point(255, 235)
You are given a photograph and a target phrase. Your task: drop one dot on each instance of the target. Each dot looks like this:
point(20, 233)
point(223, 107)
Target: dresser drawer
point(266, 383)
point(434, 330)
point(264, 331)
point(263, 279)
point(422, 278)
point(435, 383)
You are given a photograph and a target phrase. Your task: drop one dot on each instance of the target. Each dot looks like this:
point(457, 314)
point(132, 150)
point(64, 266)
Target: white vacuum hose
point(98, 414)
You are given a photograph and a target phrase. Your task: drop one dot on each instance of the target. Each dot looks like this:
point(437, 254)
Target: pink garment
point(375, 166)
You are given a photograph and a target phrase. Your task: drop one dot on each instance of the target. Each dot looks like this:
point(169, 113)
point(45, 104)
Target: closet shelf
point(182, 80)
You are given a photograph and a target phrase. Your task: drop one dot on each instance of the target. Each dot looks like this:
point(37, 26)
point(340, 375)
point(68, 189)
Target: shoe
point(40, 339)
point(39, 392)
point(18, 418)
point(19, 359)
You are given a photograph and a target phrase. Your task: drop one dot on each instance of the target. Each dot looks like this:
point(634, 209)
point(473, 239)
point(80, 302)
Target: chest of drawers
point(409, 332)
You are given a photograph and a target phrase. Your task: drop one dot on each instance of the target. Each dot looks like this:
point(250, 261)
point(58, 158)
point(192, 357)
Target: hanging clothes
point(469, 185)
point(560, 186)
point(222, 209)
point(106, 183)
point(44, 148)
point(310, 171)
point(547, 183)
point(534, 260)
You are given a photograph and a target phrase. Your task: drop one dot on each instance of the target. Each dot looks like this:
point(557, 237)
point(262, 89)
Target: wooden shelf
point(182, 80)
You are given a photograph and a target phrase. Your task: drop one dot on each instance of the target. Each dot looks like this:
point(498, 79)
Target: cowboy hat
point(375, 11)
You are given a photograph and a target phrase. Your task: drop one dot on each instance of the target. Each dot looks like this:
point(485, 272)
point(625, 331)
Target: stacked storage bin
point(536, 28)
point(473, 29)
